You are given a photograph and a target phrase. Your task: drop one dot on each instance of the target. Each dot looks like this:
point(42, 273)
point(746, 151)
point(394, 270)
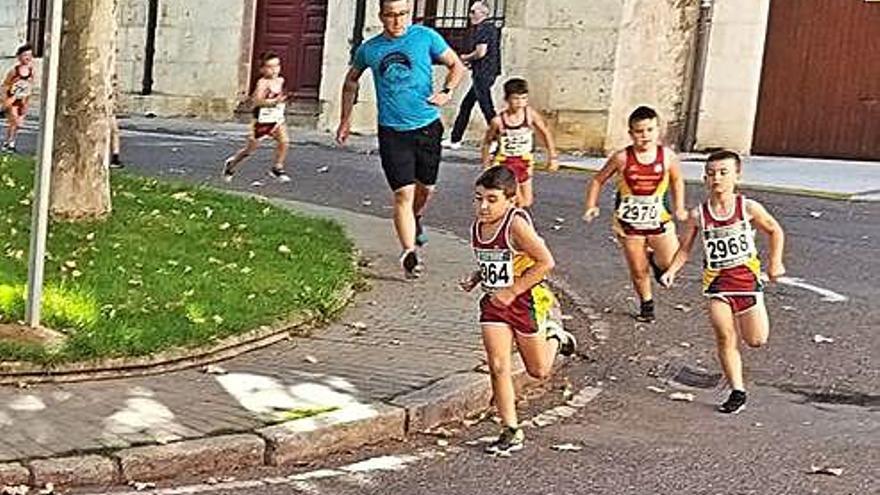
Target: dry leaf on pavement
point(682, 396)
point(831, 471)
point(567, 447)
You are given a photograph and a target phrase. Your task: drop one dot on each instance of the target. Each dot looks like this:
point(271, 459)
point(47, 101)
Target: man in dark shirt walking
point(485, 62)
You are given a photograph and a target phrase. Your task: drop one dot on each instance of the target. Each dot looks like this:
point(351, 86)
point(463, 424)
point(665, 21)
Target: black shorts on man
point(411, 156)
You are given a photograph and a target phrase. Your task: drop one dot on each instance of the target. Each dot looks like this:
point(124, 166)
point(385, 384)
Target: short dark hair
point(498, 177)
point(267, 56)
point(642, 113)
point(515, 86)
point(725, 155)
point(383, 2)
point(27, 47)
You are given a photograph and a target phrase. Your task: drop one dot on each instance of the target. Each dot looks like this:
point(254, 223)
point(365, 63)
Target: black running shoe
point(646, 313)
point(115, 162)
point(228, 171)
point(421, 235)
point(412, 267)
point(734, 404)
point(510, 440)
point(279, 174)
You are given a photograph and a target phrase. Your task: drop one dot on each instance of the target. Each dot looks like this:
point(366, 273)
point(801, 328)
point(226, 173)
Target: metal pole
point(150, 46)
point(43, 176)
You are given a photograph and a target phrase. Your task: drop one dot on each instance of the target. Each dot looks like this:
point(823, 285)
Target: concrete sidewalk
point(404, 357)
point(839, 179)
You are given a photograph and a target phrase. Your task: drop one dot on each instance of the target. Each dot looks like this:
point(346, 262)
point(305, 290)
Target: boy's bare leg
point(525, 194)
point(664, 246)
point(283, 140)
point(754, 324)
point(727, 342)
point(498, 341)
point(243, 153)
point(538, 354)
point(637, 261)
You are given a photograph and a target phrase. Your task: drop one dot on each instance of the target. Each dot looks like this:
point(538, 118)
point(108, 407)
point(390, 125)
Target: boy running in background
point(731, 268)
point(513, 263)
point(514, 129)
point(16, 91)
point(269, 120)
point(645, 170)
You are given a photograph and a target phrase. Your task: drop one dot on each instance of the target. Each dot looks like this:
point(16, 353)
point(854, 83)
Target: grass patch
point(173, 266)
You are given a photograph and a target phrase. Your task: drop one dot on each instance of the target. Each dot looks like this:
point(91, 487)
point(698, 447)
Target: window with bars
point(36, 25)
point(450, 17)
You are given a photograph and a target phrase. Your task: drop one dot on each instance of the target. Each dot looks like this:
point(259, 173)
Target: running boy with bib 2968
point(731, 268)
point(643, 219)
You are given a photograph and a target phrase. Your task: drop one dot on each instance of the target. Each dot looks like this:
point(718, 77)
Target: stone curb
point(345, 429)
point(77, 470)
point(13, 473)
point(215, 455)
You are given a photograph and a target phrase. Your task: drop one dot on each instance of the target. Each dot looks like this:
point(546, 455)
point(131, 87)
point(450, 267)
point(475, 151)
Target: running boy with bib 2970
point(643, 220)
point(731, 268)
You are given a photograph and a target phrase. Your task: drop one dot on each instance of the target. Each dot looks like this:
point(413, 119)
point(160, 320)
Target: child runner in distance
point(513, 262)
point(16, 90)
point(731, 268)
point(642, 221)
point(514, 130)
point(269, 120)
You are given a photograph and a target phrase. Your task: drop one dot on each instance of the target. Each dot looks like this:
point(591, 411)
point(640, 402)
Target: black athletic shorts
point(411, 156)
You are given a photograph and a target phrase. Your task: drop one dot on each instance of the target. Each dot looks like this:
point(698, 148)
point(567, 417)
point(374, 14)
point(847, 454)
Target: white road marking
point(827, 294)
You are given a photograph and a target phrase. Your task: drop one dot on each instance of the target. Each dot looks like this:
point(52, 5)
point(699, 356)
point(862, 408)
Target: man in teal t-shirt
point(401, 60)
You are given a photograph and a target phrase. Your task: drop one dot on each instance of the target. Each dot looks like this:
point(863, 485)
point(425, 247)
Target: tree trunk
point(80, 175)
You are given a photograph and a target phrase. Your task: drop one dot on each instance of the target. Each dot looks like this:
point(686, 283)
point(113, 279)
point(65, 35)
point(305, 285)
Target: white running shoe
point(449, 144)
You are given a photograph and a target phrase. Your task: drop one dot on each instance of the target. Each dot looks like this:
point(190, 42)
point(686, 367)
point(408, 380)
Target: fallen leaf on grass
point(567, 447)
point(831, 471)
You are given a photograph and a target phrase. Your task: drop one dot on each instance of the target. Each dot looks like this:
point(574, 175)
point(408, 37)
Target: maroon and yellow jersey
point(730, 259)
point(641, 206)
point(499, 261)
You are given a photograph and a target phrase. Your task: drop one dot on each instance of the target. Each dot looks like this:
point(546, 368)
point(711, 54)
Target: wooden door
point(294, 29)
point(820, 85)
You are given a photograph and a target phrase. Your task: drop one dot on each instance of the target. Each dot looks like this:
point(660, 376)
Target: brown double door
point(294, 29)
point(820, 85)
